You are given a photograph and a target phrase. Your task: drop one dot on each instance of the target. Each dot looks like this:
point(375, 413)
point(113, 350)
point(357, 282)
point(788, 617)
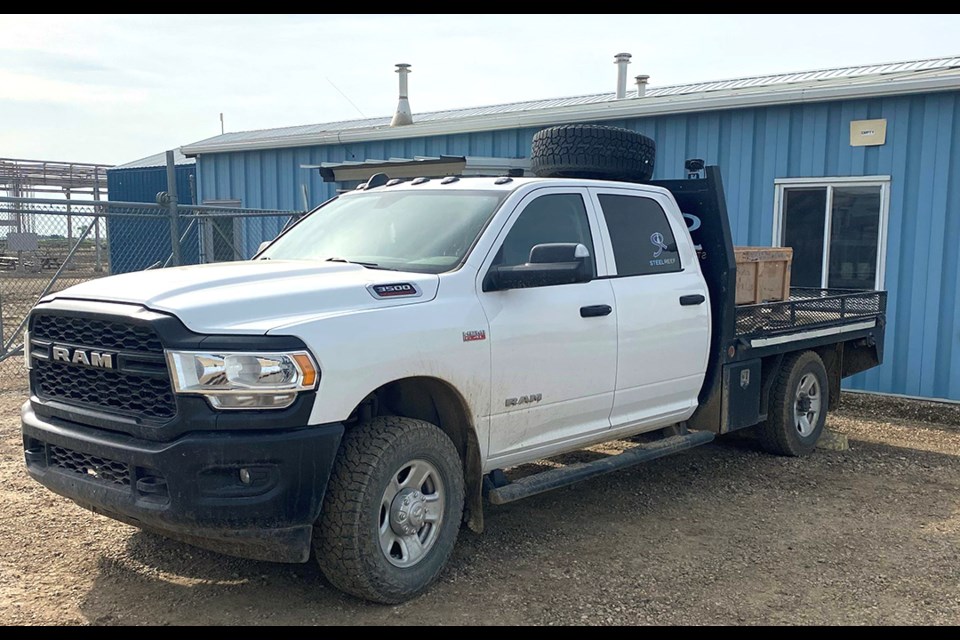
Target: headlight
point(243, 380)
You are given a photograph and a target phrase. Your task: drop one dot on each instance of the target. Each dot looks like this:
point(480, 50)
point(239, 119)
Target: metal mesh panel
point(808, 309)
point(101, 469)
point(48, 245)
point(106, 390)
point(102, 334)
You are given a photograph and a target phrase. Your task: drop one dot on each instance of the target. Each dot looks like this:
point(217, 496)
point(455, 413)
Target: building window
point(837, 228)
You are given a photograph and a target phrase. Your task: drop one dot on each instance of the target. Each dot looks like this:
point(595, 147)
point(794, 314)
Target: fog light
point(245, 477)
point(34, 455)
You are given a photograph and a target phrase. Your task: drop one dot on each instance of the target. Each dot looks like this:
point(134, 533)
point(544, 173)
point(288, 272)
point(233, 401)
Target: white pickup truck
point(360, 386)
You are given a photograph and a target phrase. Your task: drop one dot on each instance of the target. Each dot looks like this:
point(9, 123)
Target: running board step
point(563, 476)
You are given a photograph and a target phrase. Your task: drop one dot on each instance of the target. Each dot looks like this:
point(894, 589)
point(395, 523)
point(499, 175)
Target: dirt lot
point(722, 534)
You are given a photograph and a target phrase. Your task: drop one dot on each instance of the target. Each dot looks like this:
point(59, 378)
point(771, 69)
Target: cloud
point(25, 87)
point(55, 63)
point(118, 87)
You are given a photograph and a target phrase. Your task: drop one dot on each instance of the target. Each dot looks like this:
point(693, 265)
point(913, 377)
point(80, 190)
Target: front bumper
point(190, 488)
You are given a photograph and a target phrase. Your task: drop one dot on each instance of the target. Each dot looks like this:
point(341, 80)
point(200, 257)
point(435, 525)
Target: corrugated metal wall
point(137, 244)
point(753, 147)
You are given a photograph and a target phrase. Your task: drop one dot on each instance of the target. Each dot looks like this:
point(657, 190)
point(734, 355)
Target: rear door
point(663, 309)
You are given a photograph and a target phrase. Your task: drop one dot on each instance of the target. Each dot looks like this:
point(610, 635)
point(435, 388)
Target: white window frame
point(781, 184)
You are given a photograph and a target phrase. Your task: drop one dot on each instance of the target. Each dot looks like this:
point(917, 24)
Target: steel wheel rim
point(806, 406)
point(411, 513)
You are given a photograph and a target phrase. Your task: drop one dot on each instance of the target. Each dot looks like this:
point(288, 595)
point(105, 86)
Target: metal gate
point(47, 245)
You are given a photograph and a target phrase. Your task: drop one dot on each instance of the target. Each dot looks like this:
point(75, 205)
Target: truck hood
point(253, 296)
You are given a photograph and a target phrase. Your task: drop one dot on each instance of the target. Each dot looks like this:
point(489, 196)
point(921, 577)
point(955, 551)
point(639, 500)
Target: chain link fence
point(48, 245)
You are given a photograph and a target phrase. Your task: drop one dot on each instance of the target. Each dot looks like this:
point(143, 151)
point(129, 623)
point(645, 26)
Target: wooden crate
point(763, 274)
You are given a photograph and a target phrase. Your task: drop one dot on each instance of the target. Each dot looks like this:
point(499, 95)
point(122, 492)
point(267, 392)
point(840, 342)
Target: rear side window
point(643, 243)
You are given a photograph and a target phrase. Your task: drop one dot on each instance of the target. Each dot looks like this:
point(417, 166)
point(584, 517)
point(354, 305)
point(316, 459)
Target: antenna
point(221, 123)
point(346, 98)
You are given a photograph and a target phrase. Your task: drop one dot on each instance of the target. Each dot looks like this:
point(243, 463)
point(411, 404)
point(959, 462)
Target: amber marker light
point(307, 370)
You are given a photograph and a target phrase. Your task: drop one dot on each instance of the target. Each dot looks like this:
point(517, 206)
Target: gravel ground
point(722, 534)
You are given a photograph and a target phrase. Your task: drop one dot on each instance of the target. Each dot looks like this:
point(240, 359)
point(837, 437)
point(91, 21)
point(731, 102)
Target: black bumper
point(191, 489)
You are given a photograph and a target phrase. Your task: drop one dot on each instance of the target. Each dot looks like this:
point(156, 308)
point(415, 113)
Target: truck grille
point(111, 391)
point(109, 471)
point(103, 334)
point(146, 393)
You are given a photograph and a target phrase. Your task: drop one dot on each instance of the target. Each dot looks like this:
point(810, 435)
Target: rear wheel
point(798, 406)
point(392, 510)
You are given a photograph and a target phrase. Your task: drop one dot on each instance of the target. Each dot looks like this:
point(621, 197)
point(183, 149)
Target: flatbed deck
point(809, 309)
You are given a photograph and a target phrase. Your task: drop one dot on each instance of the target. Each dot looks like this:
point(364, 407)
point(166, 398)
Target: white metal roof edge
point(472, 161)
point(816, 91)
point(153, 161)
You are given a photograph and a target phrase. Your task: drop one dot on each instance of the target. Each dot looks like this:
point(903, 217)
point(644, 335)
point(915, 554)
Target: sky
point(116, 88)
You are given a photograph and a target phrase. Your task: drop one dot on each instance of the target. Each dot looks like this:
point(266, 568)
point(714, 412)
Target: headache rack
point(809, 309)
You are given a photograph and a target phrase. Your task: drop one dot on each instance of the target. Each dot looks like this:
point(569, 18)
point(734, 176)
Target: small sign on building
point(868, 133)
point(22, 241)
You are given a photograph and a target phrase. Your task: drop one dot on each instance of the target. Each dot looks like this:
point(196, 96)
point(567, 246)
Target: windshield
point(423, 231)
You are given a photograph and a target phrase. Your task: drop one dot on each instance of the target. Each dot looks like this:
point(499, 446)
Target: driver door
point(553, 348)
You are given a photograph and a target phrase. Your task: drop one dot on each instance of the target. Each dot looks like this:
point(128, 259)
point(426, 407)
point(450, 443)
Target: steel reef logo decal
point(657, 241)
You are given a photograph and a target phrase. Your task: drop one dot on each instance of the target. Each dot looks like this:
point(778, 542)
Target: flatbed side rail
point(809, 308)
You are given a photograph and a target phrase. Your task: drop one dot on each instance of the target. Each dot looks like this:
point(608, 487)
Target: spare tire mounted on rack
point(592, 151)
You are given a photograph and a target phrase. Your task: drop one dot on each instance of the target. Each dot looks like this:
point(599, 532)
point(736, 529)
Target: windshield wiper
point(368, 265)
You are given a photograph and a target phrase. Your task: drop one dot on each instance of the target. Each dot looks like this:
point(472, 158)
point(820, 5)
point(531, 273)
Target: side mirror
point(548, 264)
point(263, 245)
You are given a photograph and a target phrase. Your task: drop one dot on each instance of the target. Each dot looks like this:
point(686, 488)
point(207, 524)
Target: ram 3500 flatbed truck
point(359, 386)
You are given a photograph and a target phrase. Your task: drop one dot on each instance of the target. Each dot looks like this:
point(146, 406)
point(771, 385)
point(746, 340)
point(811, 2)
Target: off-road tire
point(778, 433)
point(592, 151)
point(345, 536)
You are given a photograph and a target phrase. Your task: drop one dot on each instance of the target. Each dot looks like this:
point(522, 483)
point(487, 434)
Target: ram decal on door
point(530, 399)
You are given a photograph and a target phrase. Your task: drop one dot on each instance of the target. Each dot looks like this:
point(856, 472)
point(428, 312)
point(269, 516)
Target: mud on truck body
point(358, 388)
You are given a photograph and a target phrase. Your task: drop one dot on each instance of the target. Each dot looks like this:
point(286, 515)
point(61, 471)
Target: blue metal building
point(140, 181)
point(857, 168)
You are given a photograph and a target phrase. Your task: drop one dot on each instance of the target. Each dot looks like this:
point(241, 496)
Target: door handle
point(691, 300)
point(595, 310)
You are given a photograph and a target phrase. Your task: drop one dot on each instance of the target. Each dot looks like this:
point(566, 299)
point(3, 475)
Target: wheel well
point(832, 356)
point(436, 402)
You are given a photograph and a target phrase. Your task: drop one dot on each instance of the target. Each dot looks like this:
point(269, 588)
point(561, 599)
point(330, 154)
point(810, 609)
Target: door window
point(642, 240)
point(560, 217)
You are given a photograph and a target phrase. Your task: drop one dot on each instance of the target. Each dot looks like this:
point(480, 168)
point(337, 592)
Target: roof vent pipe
point(622, 60)
point(403, 115)
point(642, 85)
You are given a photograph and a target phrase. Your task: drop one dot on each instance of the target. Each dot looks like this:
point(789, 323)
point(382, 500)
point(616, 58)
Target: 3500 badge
point(394, 290)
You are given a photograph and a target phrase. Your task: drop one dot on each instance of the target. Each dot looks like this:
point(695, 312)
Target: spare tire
point(592, 151)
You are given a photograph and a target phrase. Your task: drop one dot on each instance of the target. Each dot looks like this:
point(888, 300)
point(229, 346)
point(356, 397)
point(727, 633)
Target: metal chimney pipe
point(642, 85)
point(403, 115)
point(622, 60)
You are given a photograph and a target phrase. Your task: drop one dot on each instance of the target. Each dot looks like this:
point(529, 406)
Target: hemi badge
point(470, 336)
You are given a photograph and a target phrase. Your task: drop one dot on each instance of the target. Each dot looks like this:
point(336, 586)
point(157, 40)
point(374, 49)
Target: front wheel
point(392, 510)
point(798, 406)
